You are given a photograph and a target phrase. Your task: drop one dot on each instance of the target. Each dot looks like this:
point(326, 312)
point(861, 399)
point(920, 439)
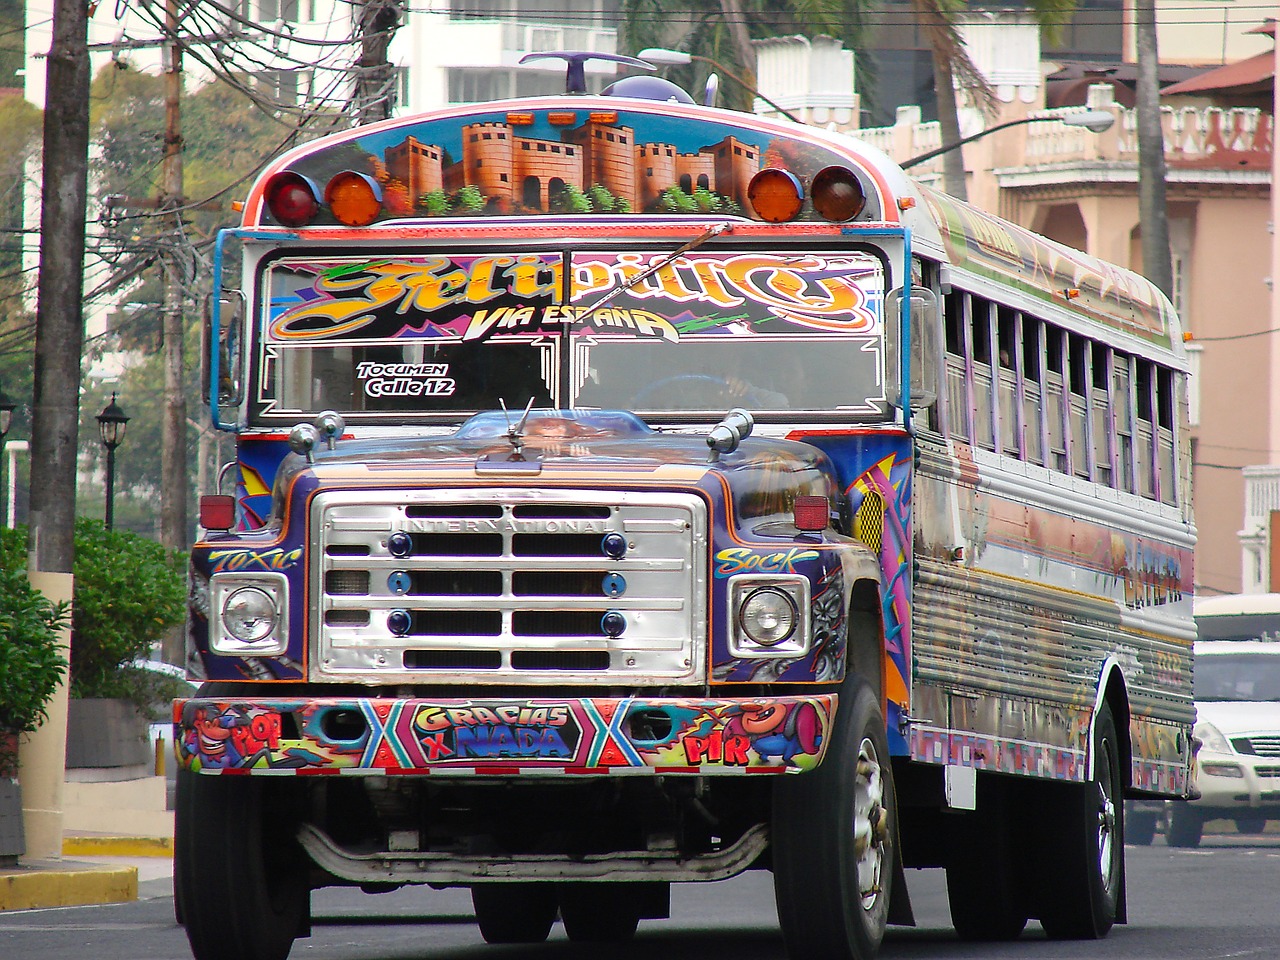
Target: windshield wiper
point(622, 286)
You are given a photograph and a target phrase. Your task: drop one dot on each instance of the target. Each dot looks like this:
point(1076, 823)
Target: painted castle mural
point(514, 173)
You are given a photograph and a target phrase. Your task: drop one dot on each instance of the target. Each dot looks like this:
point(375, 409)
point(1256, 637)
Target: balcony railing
point(1205, 138)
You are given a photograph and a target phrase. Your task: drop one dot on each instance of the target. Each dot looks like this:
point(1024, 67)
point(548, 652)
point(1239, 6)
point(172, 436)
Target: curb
point(96, 846)
point(52, 884)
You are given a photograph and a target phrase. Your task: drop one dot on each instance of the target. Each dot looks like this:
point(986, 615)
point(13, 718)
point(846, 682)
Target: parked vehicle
point(1237, 692)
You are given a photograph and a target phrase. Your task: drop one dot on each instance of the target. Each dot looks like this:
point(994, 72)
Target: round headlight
point(768, 616)
point(249, 614)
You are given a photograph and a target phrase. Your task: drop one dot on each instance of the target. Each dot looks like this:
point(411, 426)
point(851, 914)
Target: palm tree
point(722, 30)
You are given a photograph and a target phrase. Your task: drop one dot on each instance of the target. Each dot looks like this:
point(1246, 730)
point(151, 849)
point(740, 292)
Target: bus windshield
point(451, 334)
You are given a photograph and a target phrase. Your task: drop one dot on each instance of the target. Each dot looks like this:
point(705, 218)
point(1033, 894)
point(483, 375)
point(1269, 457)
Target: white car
point(1237, 693)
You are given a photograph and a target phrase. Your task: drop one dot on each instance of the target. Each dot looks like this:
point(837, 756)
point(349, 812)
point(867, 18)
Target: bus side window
point(1144, 443)
point(1032, 394)
point(983, 387)
point(1055, 392)
point(1007, 381)
point(1164, 436)
point(1122, 405)
point(1078, 377)
point(957, 380)
point(1100, 414)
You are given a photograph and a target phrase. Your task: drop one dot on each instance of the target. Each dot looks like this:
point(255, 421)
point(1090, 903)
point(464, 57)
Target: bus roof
point(625, 157)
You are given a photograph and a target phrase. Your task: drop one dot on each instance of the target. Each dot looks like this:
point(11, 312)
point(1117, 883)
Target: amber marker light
point(837, 194)
point(294, 200)
point(519, 119)
point(562, 119)
point(354, 198)
point(603, 116)
point(775, 195)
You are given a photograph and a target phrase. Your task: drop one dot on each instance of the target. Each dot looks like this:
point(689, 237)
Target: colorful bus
point(631, 492)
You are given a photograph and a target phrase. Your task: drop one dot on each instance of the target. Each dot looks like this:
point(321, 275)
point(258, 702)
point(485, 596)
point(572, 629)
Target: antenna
point(575, 79)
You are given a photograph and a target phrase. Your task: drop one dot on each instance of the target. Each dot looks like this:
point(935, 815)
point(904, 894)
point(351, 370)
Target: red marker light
point(837, 194)
point(294, 200)
point(217, 511)
point(811, 513)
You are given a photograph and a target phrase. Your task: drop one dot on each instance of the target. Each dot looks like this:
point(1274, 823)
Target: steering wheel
point(684, 384)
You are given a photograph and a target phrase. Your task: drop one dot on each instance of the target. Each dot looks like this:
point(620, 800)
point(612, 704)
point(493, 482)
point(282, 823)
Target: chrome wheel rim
point(870, 824)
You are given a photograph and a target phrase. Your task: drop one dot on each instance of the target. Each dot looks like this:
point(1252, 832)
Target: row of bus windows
point(1024, 388)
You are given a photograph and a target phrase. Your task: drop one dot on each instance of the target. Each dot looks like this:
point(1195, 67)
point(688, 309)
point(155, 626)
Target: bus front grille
point(525, 585)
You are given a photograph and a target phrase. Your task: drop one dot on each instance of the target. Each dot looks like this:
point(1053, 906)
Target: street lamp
point(662, 57)
point(1094, 120)
point(111, 424)
point(7, 407)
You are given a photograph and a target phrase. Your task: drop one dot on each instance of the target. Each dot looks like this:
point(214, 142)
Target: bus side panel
point(1020, 608)
point(875, 473)
point(260, 458)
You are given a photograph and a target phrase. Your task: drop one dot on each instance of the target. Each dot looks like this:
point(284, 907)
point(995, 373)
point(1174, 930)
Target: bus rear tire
point(514, 912)
point(984, 887)
point(599, 912)
point(1251, 826)
point(1186, 826)
point(833, 839)
point(240, 879)
point(1085, 842)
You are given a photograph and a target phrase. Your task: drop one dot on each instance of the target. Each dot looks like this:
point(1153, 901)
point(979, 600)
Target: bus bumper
point(503, 737)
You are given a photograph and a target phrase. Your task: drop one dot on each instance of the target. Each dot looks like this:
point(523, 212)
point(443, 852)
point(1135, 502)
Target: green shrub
point(31, 663)
point(128, 591)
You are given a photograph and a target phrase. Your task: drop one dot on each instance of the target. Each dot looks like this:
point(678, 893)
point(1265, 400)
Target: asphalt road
point(1222, 900)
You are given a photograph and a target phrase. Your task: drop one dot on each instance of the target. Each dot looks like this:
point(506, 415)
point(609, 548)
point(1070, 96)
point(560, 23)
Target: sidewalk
point(93, 869)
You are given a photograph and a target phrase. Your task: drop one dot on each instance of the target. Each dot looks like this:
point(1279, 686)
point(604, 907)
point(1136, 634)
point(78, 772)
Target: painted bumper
point(504, 737)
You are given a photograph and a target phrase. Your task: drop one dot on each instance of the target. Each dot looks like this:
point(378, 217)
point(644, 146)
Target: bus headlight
point(769, 616)
point(250, 614)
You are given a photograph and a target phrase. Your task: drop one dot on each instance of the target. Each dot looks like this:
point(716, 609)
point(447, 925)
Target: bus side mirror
point(224, 340)
point(924, 347)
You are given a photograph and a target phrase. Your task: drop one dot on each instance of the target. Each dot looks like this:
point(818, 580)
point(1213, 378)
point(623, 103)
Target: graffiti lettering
point(502, 741)
point(643, 322)
point(349, 299)
point(717, 748)
point(261, 733)
point(231, 561)
point(404, 387)
point(735, 560)
point(813, 291)
point(431, 719)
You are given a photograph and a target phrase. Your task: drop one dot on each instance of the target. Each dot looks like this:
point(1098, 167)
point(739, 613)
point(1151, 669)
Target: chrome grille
point(1261, 744)
point(508, 584)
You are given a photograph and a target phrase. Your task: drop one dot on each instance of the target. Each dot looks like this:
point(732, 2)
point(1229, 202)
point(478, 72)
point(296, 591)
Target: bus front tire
point(240, 879)
point(833, 839)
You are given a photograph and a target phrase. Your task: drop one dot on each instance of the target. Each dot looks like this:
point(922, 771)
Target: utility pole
point(173, 444)
point(55, 421)
point(1153, 213)
point(375, 88)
